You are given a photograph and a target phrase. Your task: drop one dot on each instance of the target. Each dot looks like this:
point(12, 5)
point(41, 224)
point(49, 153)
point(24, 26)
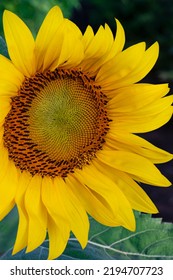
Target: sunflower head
point(70, 107)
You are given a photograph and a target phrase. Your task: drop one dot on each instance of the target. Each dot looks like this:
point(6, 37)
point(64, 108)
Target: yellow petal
point(93, 203)
point(5, 107)
point(120, 66)
point(37, 215)
point(107, 190)
point(71, 52)
point(134, 164)
point(75, 212)
point(141, 124)
point(8, 185)
point(20, 43)
point(53, 50)
point(134, 97)
point(58, 223)
point(148, 61)
point(135, 70)
point(58, 237)
point(87, 37)
point(52, 201)
point(156, 107)
point(73, 28)
point(93, 63)
point(9, 74)
point(119, 41)
point(7, 88)
point(98, 46)
point(45, 37)
point(22, 232)
point(67, 48)
point(4, 160)
point(115, 47)
point(1, 135)
point(138, 199)
point(136, 144)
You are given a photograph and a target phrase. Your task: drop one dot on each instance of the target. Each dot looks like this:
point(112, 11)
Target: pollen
point(57, 122)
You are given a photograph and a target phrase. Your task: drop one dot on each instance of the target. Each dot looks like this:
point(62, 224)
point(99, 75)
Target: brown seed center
point(57, 122)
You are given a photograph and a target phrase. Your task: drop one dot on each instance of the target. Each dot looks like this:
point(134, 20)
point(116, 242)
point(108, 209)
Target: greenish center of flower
point(63, 118)
point(57, 123)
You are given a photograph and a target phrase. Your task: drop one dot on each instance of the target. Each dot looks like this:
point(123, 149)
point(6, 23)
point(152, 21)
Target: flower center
point(57, 122)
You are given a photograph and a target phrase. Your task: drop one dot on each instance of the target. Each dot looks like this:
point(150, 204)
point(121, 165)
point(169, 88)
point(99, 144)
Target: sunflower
point(70, 112)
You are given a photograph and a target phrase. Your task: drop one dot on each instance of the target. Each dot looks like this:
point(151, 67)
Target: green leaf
point(8, 229)
point(151, 240)
point(40, 253)
point(3, 47)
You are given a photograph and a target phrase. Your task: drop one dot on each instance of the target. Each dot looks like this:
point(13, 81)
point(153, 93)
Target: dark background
point(143, 20)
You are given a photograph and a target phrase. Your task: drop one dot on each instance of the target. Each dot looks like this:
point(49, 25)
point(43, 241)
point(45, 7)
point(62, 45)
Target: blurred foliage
point(33, 11)
point(151, 240)
point(143, 20)
point(3, 47)
point(8, 230)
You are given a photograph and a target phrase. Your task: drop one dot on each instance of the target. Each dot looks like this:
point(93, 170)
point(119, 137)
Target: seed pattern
point(29, 154)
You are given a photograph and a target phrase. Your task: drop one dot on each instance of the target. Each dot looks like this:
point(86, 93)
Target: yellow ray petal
point(75, 212)
point(62, 204)
point(37, 215)
point(99, 44)
point(93, 63)
point(73, 28)
point(95, 206)
point(156, 107)
point(46, 36)
point(22, 232)
point(119, 41)
point(134, 97)
point(8, 186)
point(7, 89)
point(9, 74)
point(120, 66)
point(134, 164)
point(1, 135)
point(20, 43)
point(52, 201)
point(53, 50)
point(130, 142)
point(137, 73)
point(58, 237)
point(58, 223)
point(4, 160)
point(4, 107)
point(140, 124)
point(148, 61)
point(107, 190)
point(117, 45)
point(71, 52)
point(87, 37)
point(66, 46)
point(138, 199)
